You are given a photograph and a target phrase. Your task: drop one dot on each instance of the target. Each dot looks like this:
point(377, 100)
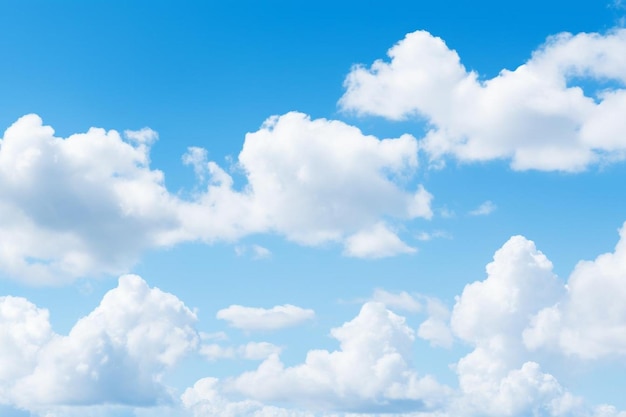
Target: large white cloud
point(536, 116)
point(497, 378)
point(371, 372)
point(115, 355)
point(90, 203)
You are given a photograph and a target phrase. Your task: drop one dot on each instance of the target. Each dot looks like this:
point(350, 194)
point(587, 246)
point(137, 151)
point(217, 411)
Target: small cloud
point(214, 352)
point(377, 242)
point(446, 213)
point(397, 301)
point(259, 252)
point(437, 234)
point(484, 209)
point(145, 136)
point(275, 318)
point(256, 252)
point(435, 328)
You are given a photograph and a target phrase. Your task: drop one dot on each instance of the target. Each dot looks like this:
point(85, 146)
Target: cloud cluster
point(115, 355)
point(370, 372)
point(508, 319)
point(496, 378)
point(558, 111)
point(520, 313)
point(90, 203)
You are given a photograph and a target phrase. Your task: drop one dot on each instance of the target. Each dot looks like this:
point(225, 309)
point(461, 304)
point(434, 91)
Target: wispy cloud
point(484, 209)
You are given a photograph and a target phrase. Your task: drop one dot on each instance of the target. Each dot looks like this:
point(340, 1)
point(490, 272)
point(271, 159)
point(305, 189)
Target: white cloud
point(76, 206)
point(260, 252)
point(257, 252)
point(90, 204)
point(536, 116)
point(377, 242)
point(397, 301)
point(500, 318)
point(497, 378)
point(114, 355)
point(519, 283)
point(319, 180)
point(437, 234)
point(589, 321)
point(435, 328)
point(371, 371)
point(275, 318)
point(214, 352)
point(252, 351)
point(205, 399)
point(484, 209)
point(24, 330)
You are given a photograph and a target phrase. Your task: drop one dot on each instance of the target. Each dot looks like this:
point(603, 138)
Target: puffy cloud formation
point(496, 378)
point(114, 355)
point(537, 115)
point(589, 320)
point(90, 203)
point(315, 180)
point(70, 207)
point(371, 371)
point(277, 317)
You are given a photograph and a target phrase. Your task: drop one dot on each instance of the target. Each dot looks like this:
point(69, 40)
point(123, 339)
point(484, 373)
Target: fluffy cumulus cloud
point(521, 310)
point(253, 318)
point(90, 203)
point(538, 116)
point(589, 320)
point(496, 378)
point(371, 371)
point(115, 355)
point(69, 207)
point(115, 358)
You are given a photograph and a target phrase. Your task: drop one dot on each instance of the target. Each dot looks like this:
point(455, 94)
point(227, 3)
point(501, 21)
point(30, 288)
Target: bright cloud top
point(116, 354)
point(537, 116)
point(370, 372)
point(275, 318)
point(90, 203)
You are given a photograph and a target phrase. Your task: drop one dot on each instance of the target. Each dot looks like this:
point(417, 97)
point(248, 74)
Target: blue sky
point(283, 209)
